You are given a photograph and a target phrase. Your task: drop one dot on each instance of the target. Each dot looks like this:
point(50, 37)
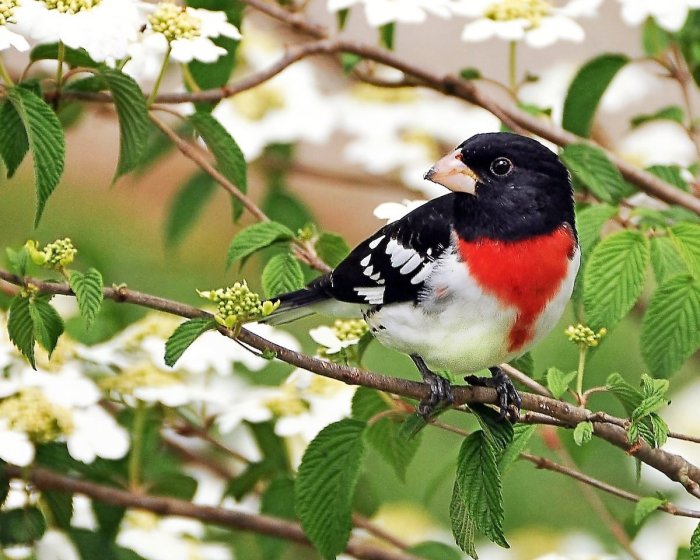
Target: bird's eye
point(501, 166)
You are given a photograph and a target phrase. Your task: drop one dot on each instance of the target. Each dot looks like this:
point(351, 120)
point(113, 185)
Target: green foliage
point(349, 61)
point(686, 238)
point(432, 550)
point(583, 432)
point(256, 237)
point(282, 274)
point(45, 140)
point(72, 57)
point(277, 500)
point(670, 331)
point(88, 292)
point(521, 437)
point(695, 544)
point(672, 174)
point(470, 74)
point(185, 334)
point(382, 433)
point(187, 205)
point(655, 39)
point(614, 277)
point(14, 143)
point(332, 248)
point(48, 325)
point(17, 260)
point(387, 34)
point(60, 504)
point(645, 507)
point(21, 526)
point(20, 327)
point(592, 167)
point(133, 118)
point(671, 113)
point(326, 483)
point(586, 90)
point(558, 382)
point(666, 262)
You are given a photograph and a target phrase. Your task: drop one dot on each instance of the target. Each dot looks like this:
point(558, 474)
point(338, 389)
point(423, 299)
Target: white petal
point(16, 448)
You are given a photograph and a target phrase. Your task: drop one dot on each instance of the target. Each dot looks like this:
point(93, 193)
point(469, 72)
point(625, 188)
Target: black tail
point(294, 305)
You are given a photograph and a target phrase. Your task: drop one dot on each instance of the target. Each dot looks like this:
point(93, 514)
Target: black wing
point(392, 265)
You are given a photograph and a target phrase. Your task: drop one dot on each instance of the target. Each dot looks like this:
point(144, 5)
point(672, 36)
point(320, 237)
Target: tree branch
point(673, 466)
point(45, 479)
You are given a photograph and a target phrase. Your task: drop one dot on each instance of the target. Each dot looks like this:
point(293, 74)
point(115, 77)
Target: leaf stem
point(136, 445)
point(59, 69)
point(191, 83)
point(582, 350)
point(159, 79)
point(513, 66)
point(5, 74)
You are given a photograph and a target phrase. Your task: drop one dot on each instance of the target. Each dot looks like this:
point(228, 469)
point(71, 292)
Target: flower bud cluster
point(7, 10)
point(174, 22)
point(585, 336)
point(137, 377)
point(55, 255)
point(71, 6)
point(350, 329)
point(29, 411)
point(237, 304)
point(530, 10)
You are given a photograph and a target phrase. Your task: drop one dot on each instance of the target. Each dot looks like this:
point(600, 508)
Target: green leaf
point(229, 158)
point(61, 506)
point(387, 34)
point(671, 113)
point(46, 142)
point(21, 526)
point(433, 550)
point(558, 382)
point(695, 544)
point(525, 363)
point(48, 325)
point(278, 501)
point(586, 90)
point(256, 237)
point(655, 39)
point(470, 74)
point(687, 240)
point(670, 333)
point(645, 507)
point(589, 222)
point(109, 518)
point(72, 57)
point(14, 143)
point(326, 483)
point(614, 277)
point(187, 205)
point(88, 291)
point(383, 433)
point(672, 174)
point(348, 61)
point(341, 18)
point(284, 207)
point(17, 260)
point(627, 394)
point(245, 482)
point(592, 167)
point(133, 119)
point(665, 259)
point(583, 432)
point(463, 527)
point(20, 327)
point(282, 274)
point(521, 437)
point(478, 486)
point(660, 429)
point(332, 248)
point(185, 334)
point(498, 433)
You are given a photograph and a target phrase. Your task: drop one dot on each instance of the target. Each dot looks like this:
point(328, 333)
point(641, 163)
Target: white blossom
point(657, 143)
point(326, 337)
point(15, 446)
point(392, 211)
point(381, 12)
point(669, 14)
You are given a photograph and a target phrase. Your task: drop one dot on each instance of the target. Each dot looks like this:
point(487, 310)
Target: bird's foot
point(509, 399)
point(440, 396)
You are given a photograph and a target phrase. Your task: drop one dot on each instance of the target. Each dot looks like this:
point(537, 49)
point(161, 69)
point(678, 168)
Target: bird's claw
point(509, 400)
point(440, 396)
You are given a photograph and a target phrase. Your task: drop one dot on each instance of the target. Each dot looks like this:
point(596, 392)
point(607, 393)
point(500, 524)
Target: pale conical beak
point(452, 173)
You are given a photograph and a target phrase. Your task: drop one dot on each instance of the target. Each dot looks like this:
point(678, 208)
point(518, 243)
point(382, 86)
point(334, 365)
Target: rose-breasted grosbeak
point(470, 279)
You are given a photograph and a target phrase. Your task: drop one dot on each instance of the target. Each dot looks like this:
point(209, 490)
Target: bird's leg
point(440, 390)
point(509, 399)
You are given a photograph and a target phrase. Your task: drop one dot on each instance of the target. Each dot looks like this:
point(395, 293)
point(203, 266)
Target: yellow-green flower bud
point(582, 335)
point(349, 329)
point(237, 304)
point(530, 10)
point(71, 6)
point(7, 11)
point(139, 376)
point(38, 257)
point(31, 412)
point(55, 255)
point(174, 22)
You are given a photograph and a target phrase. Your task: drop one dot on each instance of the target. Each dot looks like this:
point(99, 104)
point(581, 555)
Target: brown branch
point(45, 479)
point(673, 466)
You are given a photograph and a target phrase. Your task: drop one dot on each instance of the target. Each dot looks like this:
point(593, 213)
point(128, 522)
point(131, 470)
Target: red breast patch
point(524, 274)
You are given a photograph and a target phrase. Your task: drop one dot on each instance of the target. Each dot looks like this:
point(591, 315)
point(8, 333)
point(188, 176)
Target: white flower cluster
point(111, 30)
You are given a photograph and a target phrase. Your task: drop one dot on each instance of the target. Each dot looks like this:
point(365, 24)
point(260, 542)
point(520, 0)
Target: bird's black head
point(516, 186)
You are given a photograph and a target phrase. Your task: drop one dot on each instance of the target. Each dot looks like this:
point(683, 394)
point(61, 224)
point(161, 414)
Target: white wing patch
point(411, 264)
point(375, 242)
point(365, 261)
point(374, 295)
point(423, 273)
point(398, 253)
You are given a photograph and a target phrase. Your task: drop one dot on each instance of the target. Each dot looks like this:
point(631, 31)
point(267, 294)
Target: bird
point(468, 280)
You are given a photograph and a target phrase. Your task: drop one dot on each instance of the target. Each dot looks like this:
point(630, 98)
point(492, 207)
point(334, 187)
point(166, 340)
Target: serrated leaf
point(185, 334)
point(383, 433)
point(672, 174)
point(282, 274)
point(671, 325)
point(589, 222)
point(627, 394)
point(583, 432)
point(478, 485)
point(558, 382)
point(88, 292)
point(277, 500)
point(649, 404)
point(433, 550)
point(48, 325)
point(614, 277)
point(586, 90)
point(17, 260)
point(187, 205)
point(132, 114)
point(498, 433)
point(645, 507)
point(695, 544)
point(660, 429)
point(332, 248)
point(72, 57)
point(229, 157)
point(46, 142)
point(463, 527)
point(20, 327)
point(14, 143)
point(592, 167)
point(671, 113)
point(521, 437)
point(21, 526)
point(326, 483)
point(256, 237)
point(665, 259)
point(687, 240)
